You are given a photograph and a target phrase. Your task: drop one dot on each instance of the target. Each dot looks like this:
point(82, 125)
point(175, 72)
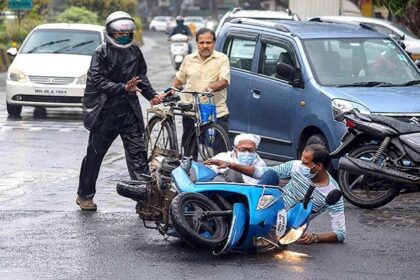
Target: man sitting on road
point(245, 153)
point(310, 170)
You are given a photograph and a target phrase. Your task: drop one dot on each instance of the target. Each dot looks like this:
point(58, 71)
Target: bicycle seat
point(185, 106)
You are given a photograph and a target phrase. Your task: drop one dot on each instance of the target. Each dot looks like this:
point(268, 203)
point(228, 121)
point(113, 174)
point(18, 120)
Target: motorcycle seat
point(400, 126)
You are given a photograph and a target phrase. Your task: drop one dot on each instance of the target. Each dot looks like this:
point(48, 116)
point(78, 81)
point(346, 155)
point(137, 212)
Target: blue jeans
point(270, 177)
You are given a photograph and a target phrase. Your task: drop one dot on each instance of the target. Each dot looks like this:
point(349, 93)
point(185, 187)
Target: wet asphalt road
point(43, 234)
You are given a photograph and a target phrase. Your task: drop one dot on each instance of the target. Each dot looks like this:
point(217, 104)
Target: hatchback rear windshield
point(62, 41)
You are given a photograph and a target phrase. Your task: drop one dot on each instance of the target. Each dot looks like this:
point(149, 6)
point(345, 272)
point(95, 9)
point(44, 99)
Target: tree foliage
point(17, 30)
point(78, 15)
point(406, 11)
point(105, 7)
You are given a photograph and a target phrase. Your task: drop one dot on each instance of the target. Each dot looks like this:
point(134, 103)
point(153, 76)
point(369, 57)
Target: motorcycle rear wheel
point(205, 233)
point(368, 192)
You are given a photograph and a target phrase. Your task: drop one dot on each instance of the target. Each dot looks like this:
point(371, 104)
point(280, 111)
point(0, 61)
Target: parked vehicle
point(159, 23)
point(178, 49)
point(306, 9)
point(220, 217)
point(193, 22)
point(254, 14)
point(399, 32)
point(380, 157)
point(290, 79)
point(50, 68)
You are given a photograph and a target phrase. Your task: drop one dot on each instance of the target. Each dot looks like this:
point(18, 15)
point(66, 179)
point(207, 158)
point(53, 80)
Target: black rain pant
point(118, 120)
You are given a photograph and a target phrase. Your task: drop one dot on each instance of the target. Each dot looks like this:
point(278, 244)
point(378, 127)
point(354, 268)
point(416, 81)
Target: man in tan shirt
point(205, 70)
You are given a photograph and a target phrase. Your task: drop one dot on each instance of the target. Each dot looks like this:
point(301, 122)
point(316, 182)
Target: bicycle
point(206, 140)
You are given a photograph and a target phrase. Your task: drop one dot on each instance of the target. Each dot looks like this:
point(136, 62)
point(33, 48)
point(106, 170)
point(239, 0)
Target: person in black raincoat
point(111, 106)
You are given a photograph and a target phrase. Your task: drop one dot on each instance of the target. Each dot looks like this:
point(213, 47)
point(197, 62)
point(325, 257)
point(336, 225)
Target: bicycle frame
point(172, 109)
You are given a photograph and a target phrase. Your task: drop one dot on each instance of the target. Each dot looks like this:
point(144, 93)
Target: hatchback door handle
point(256, 93)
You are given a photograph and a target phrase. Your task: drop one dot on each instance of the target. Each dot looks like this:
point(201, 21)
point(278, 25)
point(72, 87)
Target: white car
point(254, 14)
point(50, 68)
point(398, 32)
point(159, 23)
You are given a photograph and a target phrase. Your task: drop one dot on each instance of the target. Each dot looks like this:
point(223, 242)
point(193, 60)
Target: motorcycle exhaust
point(377, 171)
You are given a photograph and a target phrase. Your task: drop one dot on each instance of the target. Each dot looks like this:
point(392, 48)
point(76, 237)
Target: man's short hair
point(202, 31)
point(320, 154)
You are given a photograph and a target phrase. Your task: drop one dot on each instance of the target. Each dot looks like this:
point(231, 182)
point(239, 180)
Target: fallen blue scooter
point(218, 216)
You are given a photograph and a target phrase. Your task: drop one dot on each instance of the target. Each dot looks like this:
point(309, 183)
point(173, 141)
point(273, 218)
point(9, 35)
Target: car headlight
point(340, 106)
point(265, 201)
point(17, 76)
point(81, 80)
point(292, 235)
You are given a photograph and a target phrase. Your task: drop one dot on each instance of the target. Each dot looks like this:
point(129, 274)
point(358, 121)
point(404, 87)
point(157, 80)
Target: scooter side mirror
point(333, 197)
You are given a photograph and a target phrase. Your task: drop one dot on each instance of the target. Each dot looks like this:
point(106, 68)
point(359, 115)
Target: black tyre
point(13, 110)
point(160, 138)
point(317, 139)
point(204, 233)
point(213, 139)
point(365, 191)
point(136, 192)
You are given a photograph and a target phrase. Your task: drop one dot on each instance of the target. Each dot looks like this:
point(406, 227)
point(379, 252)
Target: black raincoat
point(109, 111)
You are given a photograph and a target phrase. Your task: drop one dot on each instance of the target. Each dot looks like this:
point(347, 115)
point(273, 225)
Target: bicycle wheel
point(213, 139)
point(160, 138)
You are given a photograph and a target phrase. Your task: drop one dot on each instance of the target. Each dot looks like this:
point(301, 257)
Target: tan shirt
point(196, 75)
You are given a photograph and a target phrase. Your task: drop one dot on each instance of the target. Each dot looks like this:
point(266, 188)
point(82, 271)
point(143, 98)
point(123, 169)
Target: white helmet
point(120, 22)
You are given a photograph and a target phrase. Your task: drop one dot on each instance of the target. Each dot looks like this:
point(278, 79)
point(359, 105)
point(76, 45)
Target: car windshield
point(359, 62)
point(62, 41)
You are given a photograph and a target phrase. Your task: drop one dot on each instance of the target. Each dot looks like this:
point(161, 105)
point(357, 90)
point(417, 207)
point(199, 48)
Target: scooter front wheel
point(188, 215)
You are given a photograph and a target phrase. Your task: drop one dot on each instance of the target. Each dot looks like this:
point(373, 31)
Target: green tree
point(406, 11)
point(105, 7)
point(17, 30)
point(78, 15)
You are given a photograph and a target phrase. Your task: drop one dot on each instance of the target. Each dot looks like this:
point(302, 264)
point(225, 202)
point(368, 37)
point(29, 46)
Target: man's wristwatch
point(315, 238)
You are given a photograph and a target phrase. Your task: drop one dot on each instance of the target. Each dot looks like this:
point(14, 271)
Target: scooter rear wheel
point(203, 233)
point(136, 192)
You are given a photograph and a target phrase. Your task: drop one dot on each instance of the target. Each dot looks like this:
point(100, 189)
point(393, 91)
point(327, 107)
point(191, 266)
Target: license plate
point(281, 223)
point(51, 91)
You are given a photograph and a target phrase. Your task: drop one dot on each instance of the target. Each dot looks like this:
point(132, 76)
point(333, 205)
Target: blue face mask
point(306, 171)
point(246, 158)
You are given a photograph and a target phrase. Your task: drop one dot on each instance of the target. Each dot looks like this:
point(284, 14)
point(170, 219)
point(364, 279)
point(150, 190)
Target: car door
point(240, 48)
point(273, 101)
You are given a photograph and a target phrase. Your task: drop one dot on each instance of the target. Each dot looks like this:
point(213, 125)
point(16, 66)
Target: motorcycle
point(218, 216)
point(379, 159)
point(178, 49)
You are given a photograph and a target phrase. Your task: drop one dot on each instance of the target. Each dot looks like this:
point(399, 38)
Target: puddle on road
point(14, 185)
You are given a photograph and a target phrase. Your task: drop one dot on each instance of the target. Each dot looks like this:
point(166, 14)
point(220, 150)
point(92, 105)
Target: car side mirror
point(287, 72)
point(12, 51)
point(333, 197)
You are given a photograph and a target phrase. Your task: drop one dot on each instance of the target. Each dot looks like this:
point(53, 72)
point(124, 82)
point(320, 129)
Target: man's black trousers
point(122, 121)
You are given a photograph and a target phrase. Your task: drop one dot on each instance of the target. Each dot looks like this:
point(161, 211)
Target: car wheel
point(153, 29)
point(317, 139)
point(13, 110)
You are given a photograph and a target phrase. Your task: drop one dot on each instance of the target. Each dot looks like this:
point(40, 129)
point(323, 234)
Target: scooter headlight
point(265, 201)
point(292, 235)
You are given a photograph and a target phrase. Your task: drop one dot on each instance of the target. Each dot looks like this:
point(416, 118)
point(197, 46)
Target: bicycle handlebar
point(194, 92)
